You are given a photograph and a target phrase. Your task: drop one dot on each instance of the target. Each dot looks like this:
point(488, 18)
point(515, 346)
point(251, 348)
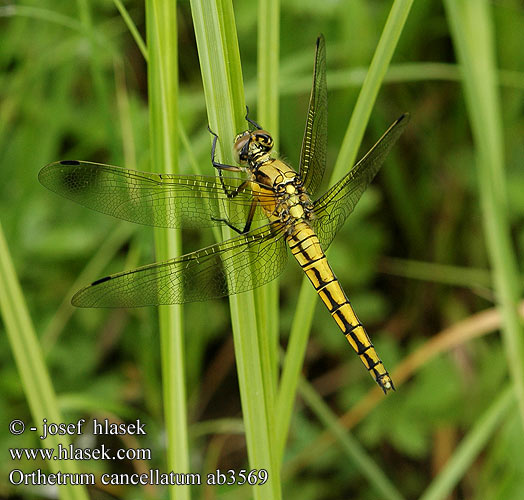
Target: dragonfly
point(268, 190)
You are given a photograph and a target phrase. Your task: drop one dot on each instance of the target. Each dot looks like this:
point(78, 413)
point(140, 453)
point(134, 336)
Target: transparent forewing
point(333, 208)
point(226, 268)
point(153, 199)
point(314, 143)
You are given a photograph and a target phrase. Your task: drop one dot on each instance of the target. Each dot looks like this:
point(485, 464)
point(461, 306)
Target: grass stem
point(472, 31)
point(223, 88)
point(161, 25)
point(33, 372)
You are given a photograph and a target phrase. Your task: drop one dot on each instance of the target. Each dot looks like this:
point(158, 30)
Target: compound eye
point(240, 147)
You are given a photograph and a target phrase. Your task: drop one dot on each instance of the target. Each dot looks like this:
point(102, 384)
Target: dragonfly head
point(252, 146)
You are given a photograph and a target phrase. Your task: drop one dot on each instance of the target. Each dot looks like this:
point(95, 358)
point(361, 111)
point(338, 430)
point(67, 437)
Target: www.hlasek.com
point(67, 452)
point(72, 452)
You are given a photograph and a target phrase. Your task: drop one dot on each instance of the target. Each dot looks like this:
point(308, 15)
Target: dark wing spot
point(101, 280)
point(69, 162)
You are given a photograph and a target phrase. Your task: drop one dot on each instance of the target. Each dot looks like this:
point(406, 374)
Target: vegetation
point(430, 258)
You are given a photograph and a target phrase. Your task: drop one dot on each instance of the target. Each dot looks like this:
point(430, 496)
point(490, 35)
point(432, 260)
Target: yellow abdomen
point(306, 248)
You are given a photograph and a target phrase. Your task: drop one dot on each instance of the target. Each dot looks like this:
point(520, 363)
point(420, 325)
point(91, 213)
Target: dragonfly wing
point(333, 208)
point(314, 143)
point(232, 266)
point(148, 198)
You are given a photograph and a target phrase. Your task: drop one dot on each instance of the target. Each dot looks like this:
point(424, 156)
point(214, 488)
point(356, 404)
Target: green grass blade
point(93, 268)
point(34, 376)
point(42, 14)
point(132, 28)
point(266, 297)
point(294, 81)
point(472, 32)
point(368, 94)
point(438, 273)
point(367, 467)
point(468, 450)
point(163, 114)
point(222, 79)
point(292, 365)
point(100, 84)
point(268, 65)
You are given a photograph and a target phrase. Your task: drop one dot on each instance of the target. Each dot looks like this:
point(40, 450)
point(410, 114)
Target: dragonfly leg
point(223, 166)
point(228, 224)
point(249, 120)
point(238, 190)
point(216, 164)
point(235, 192)
point(249, 220)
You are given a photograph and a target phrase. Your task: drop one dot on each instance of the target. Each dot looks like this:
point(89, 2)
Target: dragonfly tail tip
point(385, 383)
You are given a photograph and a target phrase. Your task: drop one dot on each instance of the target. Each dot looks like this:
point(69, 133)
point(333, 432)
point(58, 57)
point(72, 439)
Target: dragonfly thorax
point(293, 203)
point(253, 147)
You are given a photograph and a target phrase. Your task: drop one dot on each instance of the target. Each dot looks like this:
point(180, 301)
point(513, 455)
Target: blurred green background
point(412, 257)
